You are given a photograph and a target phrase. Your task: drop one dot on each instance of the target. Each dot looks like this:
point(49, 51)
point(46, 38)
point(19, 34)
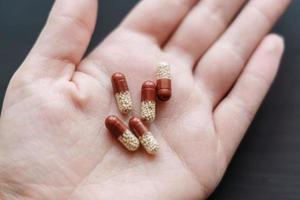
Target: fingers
point(222, 64)
point(235, 113)
point(157, 19)
point(202, 27)
point(64, 39)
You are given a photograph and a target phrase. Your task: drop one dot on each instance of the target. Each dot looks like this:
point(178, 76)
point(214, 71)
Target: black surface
point(267, 164)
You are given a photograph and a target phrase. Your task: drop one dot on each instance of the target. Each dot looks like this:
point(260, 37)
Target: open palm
point(53, 141)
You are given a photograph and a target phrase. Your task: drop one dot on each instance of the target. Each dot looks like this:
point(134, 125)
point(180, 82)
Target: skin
point(53, 141)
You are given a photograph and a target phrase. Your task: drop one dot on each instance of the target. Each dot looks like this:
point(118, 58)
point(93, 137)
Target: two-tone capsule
point(163, 83)
point(148, 103)
point(122, 133)
point(121, 92)
point(146, 138)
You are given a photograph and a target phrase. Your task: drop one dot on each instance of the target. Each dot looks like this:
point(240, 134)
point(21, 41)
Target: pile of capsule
point(137, 133)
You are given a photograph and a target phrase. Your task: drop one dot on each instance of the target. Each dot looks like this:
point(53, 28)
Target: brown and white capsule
point(122, 133)
point(148, 103)
point(121, 92)
point(146, 138)
point(164, 83)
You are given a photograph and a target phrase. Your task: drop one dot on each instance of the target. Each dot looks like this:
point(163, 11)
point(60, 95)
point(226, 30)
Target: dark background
point(267, 164)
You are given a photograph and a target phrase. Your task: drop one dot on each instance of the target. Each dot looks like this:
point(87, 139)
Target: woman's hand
point(53, 141)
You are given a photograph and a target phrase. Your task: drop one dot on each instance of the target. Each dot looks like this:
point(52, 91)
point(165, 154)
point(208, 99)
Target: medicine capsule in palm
point(122, 133)
point(148, 103)
point(121, 92)
point(146, 138)
point(163, 83)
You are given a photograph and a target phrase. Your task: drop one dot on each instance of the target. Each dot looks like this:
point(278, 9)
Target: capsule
point(121, 92)
point(164, 84)
point(146, 138)
point(148, 104)
point(122, 133)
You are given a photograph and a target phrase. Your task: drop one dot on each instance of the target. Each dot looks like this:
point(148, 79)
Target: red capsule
point(148, 104)
point(122, 133)
point(146, 138)
point(164, 83)
point(121, 92)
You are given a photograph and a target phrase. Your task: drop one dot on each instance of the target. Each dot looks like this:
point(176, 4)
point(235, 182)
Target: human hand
point(53, 141)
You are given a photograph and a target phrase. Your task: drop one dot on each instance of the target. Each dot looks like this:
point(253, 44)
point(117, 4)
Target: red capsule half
point(119, 83)
point(148, 91)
